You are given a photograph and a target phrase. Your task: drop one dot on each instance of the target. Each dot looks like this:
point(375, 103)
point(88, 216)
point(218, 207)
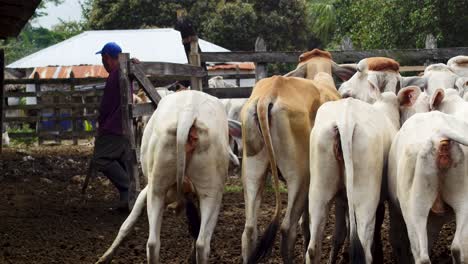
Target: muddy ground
point(45, 219)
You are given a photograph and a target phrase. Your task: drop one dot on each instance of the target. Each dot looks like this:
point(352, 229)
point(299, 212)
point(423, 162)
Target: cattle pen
point(46, 219)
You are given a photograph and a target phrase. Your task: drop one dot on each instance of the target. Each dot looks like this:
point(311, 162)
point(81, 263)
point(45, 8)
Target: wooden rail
point(404, 57)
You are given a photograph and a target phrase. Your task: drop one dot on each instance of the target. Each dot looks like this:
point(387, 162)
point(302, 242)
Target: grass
point(22, 141)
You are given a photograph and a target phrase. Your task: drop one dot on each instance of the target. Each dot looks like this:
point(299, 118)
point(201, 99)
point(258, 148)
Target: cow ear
point(298, 72)
point(461, 84)
point(421, 82)
point(408, 95)
point(436, 99)
point(344, 71)
point(235, 128)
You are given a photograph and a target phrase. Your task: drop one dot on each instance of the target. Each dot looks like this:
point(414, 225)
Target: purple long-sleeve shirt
point(110, 112)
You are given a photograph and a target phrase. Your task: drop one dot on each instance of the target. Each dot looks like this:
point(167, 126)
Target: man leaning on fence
point(112, 152)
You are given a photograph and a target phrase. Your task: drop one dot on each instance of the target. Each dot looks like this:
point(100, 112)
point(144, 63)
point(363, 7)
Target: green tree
point(234, 24)
point(382, 24)
point(322, 19)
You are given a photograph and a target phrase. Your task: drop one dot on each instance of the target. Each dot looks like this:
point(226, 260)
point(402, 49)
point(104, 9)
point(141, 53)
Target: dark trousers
point(112, 157)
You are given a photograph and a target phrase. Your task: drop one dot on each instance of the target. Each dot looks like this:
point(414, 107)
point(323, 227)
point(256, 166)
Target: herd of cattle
point(379, 137)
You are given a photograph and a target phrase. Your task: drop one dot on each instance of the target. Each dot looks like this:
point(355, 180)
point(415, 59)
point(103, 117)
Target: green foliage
point(22, 141)
point(233, 24)
point(229, 26)
point(386, 24)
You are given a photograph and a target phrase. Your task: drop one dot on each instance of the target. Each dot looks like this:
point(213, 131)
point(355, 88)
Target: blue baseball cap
point(110, 48)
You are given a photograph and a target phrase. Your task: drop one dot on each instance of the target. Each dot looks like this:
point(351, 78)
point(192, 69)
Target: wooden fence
point(411, 60)
point(81, 105)
point(61, 111)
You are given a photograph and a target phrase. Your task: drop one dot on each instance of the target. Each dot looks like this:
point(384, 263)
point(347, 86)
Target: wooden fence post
point(74, 111)
point(127, 125)
point(2, 99)
point(260, 67)
point(37, 85)
point(195, 60)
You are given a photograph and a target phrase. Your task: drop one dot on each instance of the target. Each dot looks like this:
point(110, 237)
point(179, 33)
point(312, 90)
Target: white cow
point(219, 82)
point(373, 75)
point(372, 72)
point(349, 145)
point(459, 65)
point(426, 174)
point(437, 76)
point(184, 151)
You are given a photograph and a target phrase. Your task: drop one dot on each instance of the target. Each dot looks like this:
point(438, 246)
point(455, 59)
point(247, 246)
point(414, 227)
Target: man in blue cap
point(112, 152)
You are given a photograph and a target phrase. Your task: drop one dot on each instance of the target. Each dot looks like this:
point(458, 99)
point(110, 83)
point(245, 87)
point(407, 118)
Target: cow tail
point(346, 127)
point(263, 248)
point(126, 227)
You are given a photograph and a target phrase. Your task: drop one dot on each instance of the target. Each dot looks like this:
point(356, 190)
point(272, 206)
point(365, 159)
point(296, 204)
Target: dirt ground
point(45, 219)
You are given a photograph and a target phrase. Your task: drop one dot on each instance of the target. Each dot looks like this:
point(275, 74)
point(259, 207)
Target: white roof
point(162, 45)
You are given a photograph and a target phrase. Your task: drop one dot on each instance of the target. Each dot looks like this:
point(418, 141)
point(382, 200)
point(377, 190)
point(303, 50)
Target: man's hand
point(135, 61)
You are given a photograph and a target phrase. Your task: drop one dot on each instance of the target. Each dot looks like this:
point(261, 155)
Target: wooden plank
point(143, 109)
point(127, 124)
point(238, 92)
point(59, 105)
point(54, 134)
point(80, 81)
point(38, 102)
point(412, 68)
point(75, 111)
point(195, 82)
point(23, 119)
point(167, 69)
point(2, 100)
point(58, 93)
point(404, 57)
point(139, 75)
point(234, 76)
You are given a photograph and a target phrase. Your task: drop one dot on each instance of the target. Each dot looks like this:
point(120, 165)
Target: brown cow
point(276, 123)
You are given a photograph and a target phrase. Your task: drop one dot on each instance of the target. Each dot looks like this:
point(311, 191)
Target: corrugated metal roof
point(163, 45)
point(82, 71)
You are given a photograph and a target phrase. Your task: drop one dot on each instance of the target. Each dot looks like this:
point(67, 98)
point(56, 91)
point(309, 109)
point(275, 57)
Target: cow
point(184, 153)
point(233, 108)
point(219, 82)
point(276, 122)
point(378, 72)
point(374, 75)
point(427, 177)
point(351, 140)
point(459, 65)
point(349, 145)
point(438, 76)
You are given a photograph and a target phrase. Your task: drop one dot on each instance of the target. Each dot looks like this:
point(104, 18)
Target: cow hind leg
point(399, 236)
point(209, 208)
point(155, 210)
point(253, 180)
point(419, 204)
point(296, 206)
point(365, 220)
point(339, 235)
